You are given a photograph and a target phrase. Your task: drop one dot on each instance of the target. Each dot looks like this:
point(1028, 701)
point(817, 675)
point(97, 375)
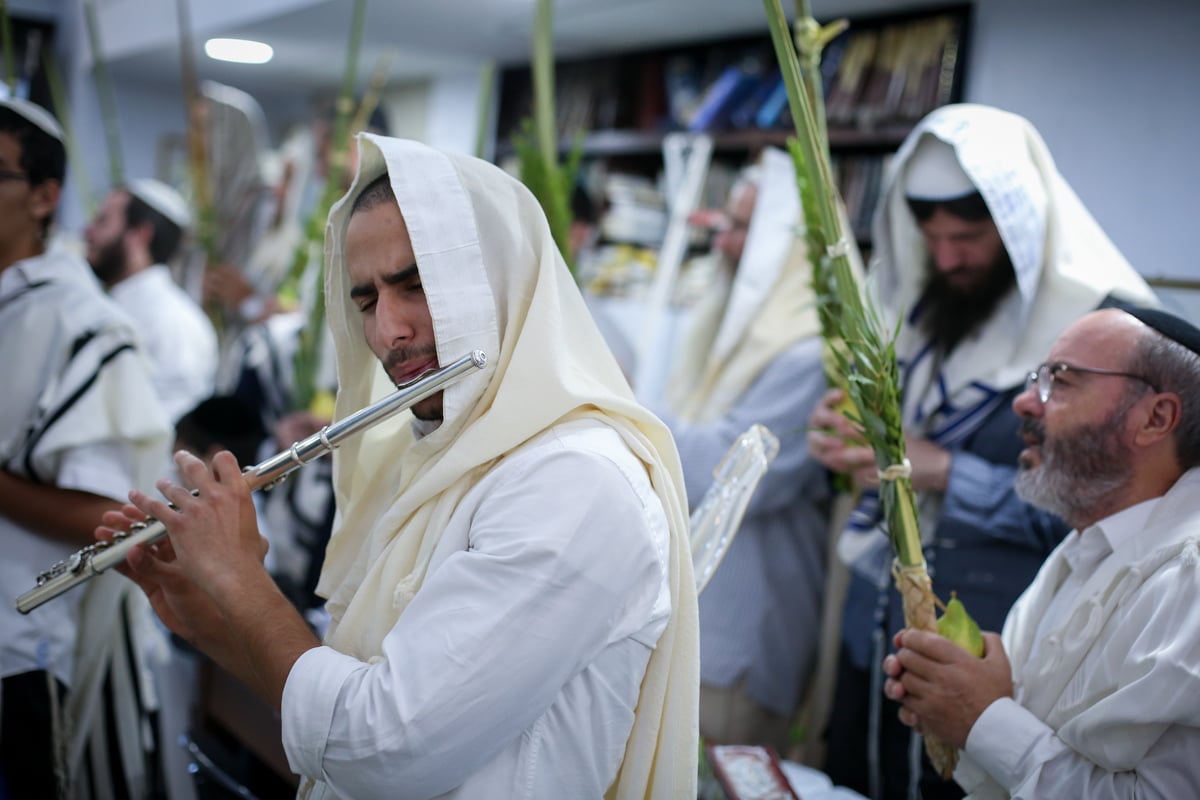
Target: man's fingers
point(932, 646)
point(910, 718)
point(892, 666)
point(225, 467)
point(177, 495)
point(191, 469)
point(152, 564)
point(916, 685)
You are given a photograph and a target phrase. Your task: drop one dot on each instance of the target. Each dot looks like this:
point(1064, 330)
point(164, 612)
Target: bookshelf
point(881, 76)
point(32, 41)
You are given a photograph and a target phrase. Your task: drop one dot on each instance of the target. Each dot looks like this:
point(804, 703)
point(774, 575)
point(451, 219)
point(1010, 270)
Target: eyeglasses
point(1043, 377)
point(11, 175)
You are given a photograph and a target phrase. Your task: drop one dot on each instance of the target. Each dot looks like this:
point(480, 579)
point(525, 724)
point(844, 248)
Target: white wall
point(1113, 88)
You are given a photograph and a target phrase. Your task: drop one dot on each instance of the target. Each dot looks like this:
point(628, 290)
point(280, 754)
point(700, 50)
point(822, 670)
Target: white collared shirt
point(1083, 551)
point(515, 670)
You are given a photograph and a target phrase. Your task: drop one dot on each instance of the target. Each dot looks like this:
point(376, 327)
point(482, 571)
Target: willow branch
point(108, 105)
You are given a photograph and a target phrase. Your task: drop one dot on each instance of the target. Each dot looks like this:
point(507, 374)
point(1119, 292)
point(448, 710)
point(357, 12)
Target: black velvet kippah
point(1176, 329)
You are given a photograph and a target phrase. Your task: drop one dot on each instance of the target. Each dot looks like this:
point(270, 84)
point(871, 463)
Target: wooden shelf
point(609, 143)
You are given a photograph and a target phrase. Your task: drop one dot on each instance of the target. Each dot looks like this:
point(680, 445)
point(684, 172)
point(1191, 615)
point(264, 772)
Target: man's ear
point(1160, 420)
point(43, 199)
point(139, 235)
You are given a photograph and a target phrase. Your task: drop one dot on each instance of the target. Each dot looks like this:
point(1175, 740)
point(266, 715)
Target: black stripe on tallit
point(81, 341)
point(112, 738)
point(22, 292)
point(147, 751)
point(62, 409)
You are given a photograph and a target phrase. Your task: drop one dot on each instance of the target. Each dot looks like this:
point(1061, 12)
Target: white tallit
point(744, 326)
point(1064, 263)
point(495, 281)
point(83, 382)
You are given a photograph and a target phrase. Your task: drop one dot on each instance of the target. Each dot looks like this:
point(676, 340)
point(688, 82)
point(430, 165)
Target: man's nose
point(1027, 403)
point(945, 256)
point(393, 323)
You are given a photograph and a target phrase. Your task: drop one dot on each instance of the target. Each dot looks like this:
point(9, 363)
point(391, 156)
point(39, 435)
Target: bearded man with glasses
point(1093, 690)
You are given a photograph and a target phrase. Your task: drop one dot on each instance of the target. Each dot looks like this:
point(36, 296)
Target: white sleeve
point(1022, 754)
point(1134, 725)
point(562, 562)
point(104, 468)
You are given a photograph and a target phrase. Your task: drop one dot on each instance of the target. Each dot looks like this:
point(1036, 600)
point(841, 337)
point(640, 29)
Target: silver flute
point(100, 556)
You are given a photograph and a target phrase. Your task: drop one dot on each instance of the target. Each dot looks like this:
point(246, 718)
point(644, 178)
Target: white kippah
point(163, 199)
point(933, 172)
point(35, 114)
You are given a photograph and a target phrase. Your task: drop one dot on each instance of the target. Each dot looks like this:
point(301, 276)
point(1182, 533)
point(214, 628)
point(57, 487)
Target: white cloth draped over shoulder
point(1064, 262)
point(744, 324)
point(79, 413)
point(494, 280)
point(1113, 685)
point(87, 381)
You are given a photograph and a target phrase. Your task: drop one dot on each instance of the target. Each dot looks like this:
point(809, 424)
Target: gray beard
point(1079, 471)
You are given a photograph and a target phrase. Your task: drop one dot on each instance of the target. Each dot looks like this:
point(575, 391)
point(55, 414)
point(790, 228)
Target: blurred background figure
point(753, 355)
point(131, 242)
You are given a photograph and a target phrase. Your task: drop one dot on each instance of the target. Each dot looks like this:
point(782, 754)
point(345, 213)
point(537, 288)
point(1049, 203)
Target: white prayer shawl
point(744, 326)
point(83, 382)
point(93, 383)
point(1065, 266)
point(495, 281)
point(1108, 679)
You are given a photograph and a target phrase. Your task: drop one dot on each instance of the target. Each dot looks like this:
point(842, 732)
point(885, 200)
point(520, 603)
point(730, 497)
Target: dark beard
point(949, 314)
point(109, 265)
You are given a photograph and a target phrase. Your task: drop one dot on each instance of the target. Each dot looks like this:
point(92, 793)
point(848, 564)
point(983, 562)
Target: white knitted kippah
point(34, 114)
point(933, 172)
point(163, 199)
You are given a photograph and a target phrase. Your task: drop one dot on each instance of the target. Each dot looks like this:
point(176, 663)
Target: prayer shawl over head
point(742, 327)
point(1065, 266)
point(494, 280)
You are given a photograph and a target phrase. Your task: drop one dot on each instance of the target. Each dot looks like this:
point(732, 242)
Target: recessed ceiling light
point(241, 51)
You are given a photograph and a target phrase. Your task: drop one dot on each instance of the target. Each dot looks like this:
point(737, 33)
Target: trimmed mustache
point(1034, 428)
point(402, 354)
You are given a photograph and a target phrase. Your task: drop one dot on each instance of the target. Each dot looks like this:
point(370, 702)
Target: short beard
point(949, 314)
point(1078, 469)
point(109, 265)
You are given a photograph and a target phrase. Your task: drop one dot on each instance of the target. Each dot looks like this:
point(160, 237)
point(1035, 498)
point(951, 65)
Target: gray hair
point(1171, 367)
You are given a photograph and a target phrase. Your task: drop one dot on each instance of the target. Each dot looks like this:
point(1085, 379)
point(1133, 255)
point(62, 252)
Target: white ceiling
point(421, 37)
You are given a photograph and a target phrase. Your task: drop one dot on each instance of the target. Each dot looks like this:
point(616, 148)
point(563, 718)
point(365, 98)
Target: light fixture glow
point(241, 51)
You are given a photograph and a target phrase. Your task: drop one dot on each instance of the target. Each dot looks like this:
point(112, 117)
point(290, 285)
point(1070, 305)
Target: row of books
point(860, 181)
point(874, 74)
point(889, 74)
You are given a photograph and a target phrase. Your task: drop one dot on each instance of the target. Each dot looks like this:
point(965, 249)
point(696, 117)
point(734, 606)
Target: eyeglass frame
point(1045, 386)
point(13, 175)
